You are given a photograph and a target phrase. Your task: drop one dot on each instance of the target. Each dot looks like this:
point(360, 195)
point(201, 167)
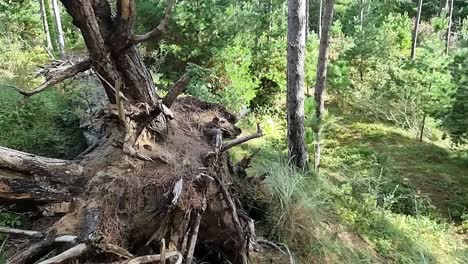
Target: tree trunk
point(58, 23)
point(319, 24)
point(443, 5)
point(157, 161)
point(449, 27)
point(295, 84)
point(33, 179)
point(45, 25)
point(415, 31)
point(322, 77)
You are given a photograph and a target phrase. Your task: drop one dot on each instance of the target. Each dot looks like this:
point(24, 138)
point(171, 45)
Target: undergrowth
point(45, 124)
point(381, 196)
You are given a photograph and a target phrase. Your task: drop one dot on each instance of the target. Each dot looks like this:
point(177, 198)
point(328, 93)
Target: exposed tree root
point(126, 206)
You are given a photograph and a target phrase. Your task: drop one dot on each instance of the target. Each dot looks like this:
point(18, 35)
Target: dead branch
point(30, 233)
point(195, 229)
point(291, 259)
point(241, 140)
point(163, 251)
point(156, 34)
point(32, 253)
point(235, 219)
point(55, 78)
point(34, 178)
point(25, 162)
point(154, 258)
point(271, 244)
point(71, 253)
point(37, 249)
point(187, 229)
point(178, 88)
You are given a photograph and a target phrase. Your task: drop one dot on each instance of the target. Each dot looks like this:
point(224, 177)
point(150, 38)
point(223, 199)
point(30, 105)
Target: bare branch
point(235, 218)
point(73, 252)
point(37, 234)
point(32, 253)
point(55, 78)
point(155, 258)
point(178, 88)
point(195, 229)
point(30, 233)
point(241, 140)
point(157, 33)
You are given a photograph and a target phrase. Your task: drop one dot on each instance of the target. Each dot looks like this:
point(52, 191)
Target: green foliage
point(8, 220)
point(43, 125)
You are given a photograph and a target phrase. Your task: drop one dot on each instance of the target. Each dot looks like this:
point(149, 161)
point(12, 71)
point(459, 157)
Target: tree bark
point(449, 28)
point(58, 23)
point(45, 25)
point(416, 29)
point(295, 82)
point(114, 63)
point(320, 85)
point(27, 177)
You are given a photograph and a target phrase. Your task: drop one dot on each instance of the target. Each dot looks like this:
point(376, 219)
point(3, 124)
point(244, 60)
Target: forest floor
point(382, 196)
point(433, 170)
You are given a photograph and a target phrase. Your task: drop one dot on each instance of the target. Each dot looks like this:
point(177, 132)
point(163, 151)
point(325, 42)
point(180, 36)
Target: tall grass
point(299, 215)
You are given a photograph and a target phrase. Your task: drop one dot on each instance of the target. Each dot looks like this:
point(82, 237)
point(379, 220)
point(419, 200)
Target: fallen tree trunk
point(27, 177)
point(154, 175)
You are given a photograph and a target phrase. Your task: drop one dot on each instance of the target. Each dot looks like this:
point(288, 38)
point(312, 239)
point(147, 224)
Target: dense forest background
point(393, 186)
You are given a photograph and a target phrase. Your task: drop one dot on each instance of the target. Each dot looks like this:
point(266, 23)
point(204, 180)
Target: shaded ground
point(434, 171)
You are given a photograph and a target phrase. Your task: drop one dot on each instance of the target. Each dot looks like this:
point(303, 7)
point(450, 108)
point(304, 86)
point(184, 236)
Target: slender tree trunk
point(449, 28)
point(443, 5)
point(58, 23)
point(322, 76)
point(295, 77)
point(307, 19)
point(423, 125)
point(319, 24)
point(45, 25)
point(416, 29)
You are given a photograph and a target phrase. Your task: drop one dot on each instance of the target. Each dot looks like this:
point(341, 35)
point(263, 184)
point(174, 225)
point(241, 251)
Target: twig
point(15, 231)
point(55, 78)
point(163, 251)
point(235, 219)
point(291, 259)
point(110, 85)
point(241, 140)
point(271, 244)
point(73, 252)
point(154, 258)
point(196, 227)
point(157, 33)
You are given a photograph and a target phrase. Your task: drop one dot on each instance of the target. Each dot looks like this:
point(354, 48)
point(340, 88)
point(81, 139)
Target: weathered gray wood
point(56, 77)
point(71, 253)
point(28, 177)
point(32, 253)
point(295, 82)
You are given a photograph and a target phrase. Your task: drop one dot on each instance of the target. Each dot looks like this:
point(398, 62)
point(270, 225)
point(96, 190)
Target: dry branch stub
point(127, 206)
